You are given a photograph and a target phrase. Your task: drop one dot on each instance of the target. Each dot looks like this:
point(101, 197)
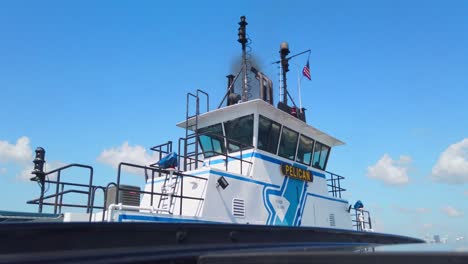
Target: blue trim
point(155, 181)
point(242, 178)
point(278, 191)
point(225, 174)
point(279, 162)
point(200, 173)
point(269, 159)
point(300, 210)
point(261, 183)
point(162, 219)
point(328, 198)
point(218, 161)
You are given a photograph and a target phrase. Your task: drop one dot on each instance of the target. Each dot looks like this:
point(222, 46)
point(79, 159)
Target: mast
point(243, 40)
point(284, 51)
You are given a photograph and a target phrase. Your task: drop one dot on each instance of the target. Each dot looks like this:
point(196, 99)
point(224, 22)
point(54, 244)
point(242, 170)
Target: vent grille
point(238, 207)
point(332, 220)
point(129, 196)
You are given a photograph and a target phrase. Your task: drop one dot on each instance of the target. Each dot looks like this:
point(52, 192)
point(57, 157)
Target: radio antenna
point(243, 40)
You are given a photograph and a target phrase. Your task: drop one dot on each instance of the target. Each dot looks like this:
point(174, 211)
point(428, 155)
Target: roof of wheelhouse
point(264, 109)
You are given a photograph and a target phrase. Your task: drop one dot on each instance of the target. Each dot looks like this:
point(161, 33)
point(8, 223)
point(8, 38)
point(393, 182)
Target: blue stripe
point(242, 178)
point(269, 159)
point(229, 176)
point(162, 219)
point(258, 182)
point(301, 205)
point(279, 162)
point(267, 192)
point(236, 158)
point(155, 181)
point(328, 198)
point(200, 173)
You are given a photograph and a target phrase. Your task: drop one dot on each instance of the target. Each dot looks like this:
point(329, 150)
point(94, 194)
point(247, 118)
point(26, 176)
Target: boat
point(246, 173)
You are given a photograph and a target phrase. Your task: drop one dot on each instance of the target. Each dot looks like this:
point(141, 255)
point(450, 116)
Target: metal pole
point(284, 51)
point(41, 198)
point(244, 72)
point(57, 185)
point(243, 40)
point(299, 88)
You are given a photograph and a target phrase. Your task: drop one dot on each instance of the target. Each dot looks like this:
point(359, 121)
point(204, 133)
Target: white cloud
point(127, 153)
point(452, 212)
point(21, 155)
point(405, 210)
point(422, 210)
point(427, 226)
point(452, 166)
point(25, 174)
point(405, 160)
point(389, 171)
point(18, 153)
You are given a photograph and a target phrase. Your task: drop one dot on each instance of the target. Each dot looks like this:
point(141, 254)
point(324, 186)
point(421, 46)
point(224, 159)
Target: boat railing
point(62, 188)
point(192, 160)
point(334, 184)
point(65, 188)
point(361, 219)
point(155, 173)
point(162, 149)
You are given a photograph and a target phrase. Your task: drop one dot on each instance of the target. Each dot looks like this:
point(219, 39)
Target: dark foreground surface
point(202, 243)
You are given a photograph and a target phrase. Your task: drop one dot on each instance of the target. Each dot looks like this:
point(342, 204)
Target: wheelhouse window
point(239, 133)
point(320, 156)
point(268, 135)
point(304, 152)
point(287, 148)
point(211, 140)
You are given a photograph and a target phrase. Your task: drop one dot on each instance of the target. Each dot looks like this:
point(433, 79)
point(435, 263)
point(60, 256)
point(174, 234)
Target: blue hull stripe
point(123, 217)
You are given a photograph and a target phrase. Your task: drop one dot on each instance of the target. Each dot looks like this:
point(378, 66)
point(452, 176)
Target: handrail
point(361, 224)
point(152, 193)
point(58, 183)
point(335, 184)
point(104, 190)
point(226, 153)
point(159, 149)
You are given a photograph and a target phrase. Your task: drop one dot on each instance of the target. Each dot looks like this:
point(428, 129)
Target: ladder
point(191, 141)
point(168, 190)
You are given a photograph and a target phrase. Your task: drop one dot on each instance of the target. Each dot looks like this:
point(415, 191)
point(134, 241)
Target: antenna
point(284, 62)
point(243, 40)
point(284, 51)
point(40, 174)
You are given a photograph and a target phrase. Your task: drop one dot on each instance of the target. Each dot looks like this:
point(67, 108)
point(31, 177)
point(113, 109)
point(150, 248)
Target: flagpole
point(299, 88)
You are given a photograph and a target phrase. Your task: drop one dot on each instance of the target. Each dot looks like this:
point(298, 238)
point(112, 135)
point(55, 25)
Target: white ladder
point(169, 189)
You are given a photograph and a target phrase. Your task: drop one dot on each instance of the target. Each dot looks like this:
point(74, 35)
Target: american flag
point(306, 71)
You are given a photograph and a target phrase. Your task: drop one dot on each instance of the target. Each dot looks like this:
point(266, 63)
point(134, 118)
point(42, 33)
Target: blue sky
point(388, 77)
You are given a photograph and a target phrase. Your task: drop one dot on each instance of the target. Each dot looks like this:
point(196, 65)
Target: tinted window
point(304, 152)
point(212, 142)
point(268, 135)
point(320, 156)
point(287, 148)
point(239, 132)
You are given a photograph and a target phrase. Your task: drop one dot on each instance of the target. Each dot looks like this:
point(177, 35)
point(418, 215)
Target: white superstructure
point(258, 191)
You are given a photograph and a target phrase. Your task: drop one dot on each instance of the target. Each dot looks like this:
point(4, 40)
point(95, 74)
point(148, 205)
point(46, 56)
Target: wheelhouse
point(258, 126)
